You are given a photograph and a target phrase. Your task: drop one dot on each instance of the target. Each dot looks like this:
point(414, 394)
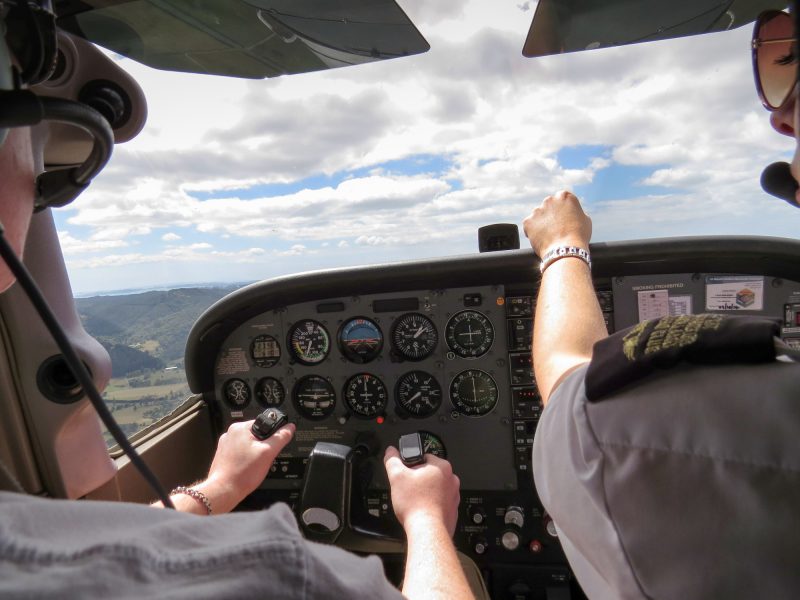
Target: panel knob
point(550, 526)
point(478, 516)
point(514, 516)
point(510, 540)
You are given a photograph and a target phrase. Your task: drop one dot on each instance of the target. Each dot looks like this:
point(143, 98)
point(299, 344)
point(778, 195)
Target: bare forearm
point(433, 571)
point(568, 322)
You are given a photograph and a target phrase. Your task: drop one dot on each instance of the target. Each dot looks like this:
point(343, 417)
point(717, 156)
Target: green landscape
point(145, 335)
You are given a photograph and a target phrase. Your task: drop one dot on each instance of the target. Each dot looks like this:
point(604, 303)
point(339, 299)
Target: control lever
point(268, 422)
point(412, 452)
point(329, 507)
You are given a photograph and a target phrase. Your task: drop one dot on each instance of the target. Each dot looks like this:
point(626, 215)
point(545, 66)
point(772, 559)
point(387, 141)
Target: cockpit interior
point(357, 355)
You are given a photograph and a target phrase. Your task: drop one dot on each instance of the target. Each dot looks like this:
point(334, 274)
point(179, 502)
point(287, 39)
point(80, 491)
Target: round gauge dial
point(414, 336)
point(469, 334)
point(309, 342)
point(432, 444)
point(360, 340)
point(270, 392)
point(473, 392)
point(265, 351)
point(237, 393)
point(366, 395)
point(314, 397)
point(419, 393)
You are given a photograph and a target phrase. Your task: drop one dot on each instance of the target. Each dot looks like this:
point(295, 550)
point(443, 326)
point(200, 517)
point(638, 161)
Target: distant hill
point(146, 330)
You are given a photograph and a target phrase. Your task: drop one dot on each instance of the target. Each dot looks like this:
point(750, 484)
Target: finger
point(392, 463)
point(440, 463)
point(273, 445)
point(239, 425)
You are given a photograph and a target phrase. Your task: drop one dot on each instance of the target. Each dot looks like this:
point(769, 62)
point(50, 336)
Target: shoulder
point(692, 455)
point(636, 352)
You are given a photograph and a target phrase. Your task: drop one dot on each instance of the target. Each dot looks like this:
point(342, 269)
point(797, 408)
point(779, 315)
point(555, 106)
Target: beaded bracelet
point(560, 252)
point(193, 493)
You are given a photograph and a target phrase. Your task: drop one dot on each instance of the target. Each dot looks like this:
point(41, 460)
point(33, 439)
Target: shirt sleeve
point(682, 485)
point(567, 469)
point(85, 549)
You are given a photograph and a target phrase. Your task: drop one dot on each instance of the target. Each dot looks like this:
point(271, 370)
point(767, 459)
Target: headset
point(28, 34)
point(29, 29)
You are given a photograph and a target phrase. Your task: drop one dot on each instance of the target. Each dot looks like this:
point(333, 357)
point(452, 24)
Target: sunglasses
point(774, 58)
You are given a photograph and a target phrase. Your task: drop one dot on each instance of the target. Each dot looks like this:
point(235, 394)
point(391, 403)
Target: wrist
point(564, 252)
point(223, 497)
point(576, 241)
point(423, 523)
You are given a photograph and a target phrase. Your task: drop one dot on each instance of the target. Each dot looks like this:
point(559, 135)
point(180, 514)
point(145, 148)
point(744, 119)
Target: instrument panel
point(379, 366)
point(362, 356)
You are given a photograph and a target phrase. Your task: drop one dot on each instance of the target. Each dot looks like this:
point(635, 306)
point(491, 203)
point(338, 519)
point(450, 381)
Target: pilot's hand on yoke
point(242, 461)
point(426, 493)
point(558, 221)
point(240, 464)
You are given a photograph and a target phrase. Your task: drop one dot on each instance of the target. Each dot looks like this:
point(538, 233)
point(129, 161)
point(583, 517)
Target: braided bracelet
point(193, 493)
point(560, 252)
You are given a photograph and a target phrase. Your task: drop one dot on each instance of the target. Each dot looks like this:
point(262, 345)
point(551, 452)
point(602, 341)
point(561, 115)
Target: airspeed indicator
point(309, 342)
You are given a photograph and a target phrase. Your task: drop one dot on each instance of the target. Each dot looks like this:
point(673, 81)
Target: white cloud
point(174, 255)
point(71, 245)
point(492, 124)
point(296, 250)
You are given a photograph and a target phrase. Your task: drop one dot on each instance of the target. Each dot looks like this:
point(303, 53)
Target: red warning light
point(379, 420)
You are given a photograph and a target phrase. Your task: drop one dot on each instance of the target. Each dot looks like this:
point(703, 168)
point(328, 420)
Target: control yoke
point(331, 508)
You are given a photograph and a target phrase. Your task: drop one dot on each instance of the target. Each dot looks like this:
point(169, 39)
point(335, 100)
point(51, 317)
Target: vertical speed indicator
point(419, 393)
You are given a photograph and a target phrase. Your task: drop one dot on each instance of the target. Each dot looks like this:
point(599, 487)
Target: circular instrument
point(314, 397)
point(365, 395)
point(432, 444)
point(469, 334)
point(237, 393)
point(419, 393)
point(360, 340)
point(414, 336)
point(309, 342)
point(473, 392)
point(270, 392)
point(265, 351)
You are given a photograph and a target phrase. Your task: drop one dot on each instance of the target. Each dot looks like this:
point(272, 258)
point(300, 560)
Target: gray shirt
point(683, 485)
point(85, 549)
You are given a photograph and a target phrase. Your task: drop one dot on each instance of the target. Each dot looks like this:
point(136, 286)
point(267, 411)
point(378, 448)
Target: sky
point(242, 180)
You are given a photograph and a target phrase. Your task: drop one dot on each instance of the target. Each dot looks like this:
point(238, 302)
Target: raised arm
point(425, 500)
point(568, 318)
point(240, 464)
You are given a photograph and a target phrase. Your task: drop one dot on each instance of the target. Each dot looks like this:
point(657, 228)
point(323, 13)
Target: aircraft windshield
point(236, 180)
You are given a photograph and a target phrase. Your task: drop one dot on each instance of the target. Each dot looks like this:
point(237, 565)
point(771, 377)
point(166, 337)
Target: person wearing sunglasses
point(679, 482)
